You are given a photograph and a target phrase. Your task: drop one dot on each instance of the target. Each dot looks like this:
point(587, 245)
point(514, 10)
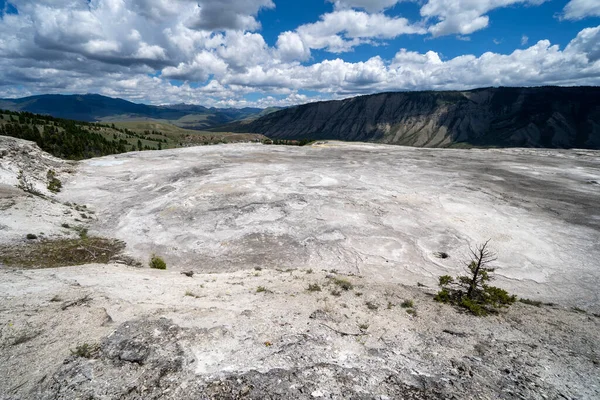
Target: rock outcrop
point(551, 117)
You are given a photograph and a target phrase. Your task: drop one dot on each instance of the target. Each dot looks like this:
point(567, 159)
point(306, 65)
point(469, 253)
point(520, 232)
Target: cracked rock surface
point(361, 226)
point(380, 211)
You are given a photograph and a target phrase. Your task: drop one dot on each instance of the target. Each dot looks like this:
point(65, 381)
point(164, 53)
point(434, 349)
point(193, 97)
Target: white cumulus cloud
point(199, 51)
point(342, 30)
point(369, 5)
point(464, 16)
point(580, 9)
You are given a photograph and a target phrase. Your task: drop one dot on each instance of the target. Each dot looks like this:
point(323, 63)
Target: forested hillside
point(63, 138)
point(77, 140)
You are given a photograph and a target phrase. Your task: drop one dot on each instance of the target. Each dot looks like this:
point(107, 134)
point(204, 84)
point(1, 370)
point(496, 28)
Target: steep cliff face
point(558, 117)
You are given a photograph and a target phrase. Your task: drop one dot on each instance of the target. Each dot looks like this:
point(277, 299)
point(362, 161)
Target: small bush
point(497, 297)
point(343, 283)
point(371, 306)
point(531, 302)
point(363, 327)
point(65, 225)
point(407, 304)
point(157, 263)
point(31, 236)
point(313, 287)
point(85, 350)
point(471, 291)
point(336, 293)
point(472, 306)
point(26, 186)
point(411, 311)
point(54, 185)
point(83, 232)
point(261, 289)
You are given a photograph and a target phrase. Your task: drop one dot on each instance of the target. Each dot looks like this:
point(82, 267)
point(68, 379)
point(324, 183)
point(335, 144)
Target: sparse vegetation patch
point(471, 291)
point(86, 350)
point(262, 289)
point(343, 284)
point(531, 302)
point(314, 287)
point(407, 304)
point(157, 263)
point(54, 185)
point(26, 186)
point(61, 252)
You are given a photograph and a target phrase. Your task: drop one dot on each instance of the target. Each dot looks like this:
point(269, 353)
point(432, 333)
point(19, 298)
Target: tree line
point(68, 139)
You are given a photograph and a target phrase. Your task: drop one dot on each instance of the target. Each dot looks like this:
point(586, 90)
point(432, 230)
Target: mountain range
point(96, 108)
point(551, 117)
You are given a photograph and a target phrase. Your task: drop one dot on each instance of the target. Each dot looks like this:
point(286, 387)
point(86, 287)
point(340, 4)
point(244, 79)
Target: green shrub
point(471, 291)
point(261, 289)
point(443, 296)
point(497, 297)
point(157, 263)
point(472, 306)
point(83, 232)
point(343, 283)
point(86, 350)
point(407, 304)
point(54, 185)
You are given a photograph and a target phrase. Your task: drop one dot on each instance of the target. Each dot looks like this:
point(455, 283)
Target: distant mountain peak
point(93, 107)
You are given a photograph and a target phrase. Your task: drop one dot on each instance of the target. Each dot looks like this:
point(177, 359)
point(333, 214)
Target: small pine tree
point(471, 291)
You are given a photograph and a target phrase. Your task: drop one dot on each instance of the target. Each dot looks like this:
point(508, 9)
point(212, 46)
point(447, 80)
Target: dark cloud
point(228, 14)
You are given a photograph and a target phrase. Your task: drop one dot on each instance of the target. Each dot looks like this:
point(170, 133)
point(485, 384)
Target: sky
point(261, 53)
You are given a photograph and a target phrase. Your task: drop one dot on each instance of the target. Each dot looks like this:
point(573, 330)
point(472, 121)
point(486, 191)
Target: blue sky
point(273, 52)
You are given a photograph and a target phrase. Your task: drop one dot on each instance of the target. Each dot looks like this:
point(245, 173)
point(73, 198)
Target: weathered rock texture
point(553, 117)
point(260, 225)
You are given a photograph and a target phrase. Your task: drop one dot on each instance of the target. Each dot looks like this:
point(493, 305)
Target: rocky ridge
point(551, 117)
